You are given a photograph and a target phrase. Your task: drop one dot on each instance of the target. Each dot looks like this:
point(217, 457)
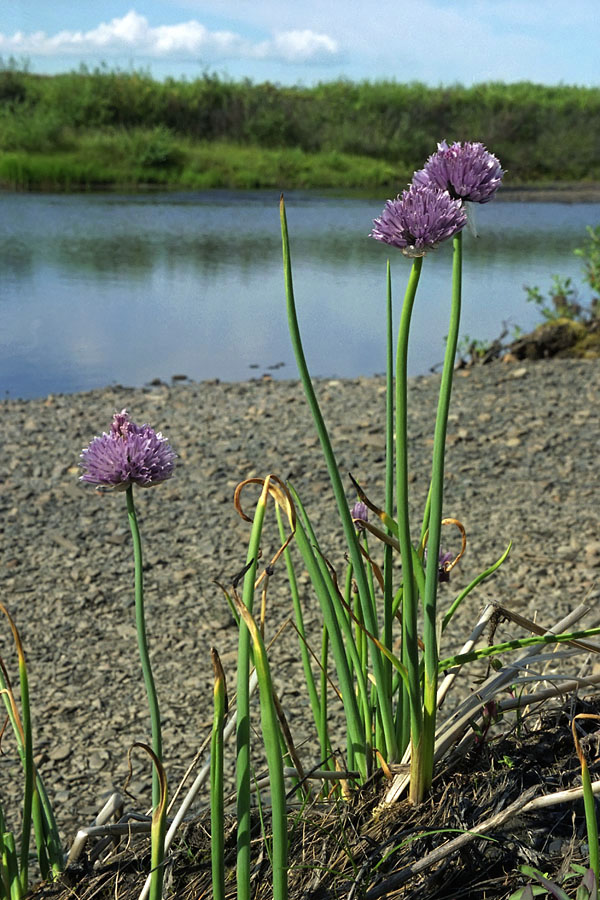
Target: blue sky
point(305, 41)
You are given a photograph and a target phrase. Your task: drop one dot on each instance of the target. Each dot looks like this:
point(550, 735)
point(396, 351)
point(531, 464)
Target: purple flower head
point(360, 511)
point(419, 220)
point(443, 570)
point(444, 559)
point(467, 171)
point(129, 454)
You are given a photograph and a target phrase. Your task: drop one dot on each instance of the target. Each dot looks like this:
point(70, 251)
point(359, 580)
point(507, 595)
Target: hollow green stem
point(140, 624)
point(388, 611)
point(25, 746)
point(519, 643)
point(243, 763)
point(271, 733)
point(430, 638)
point(410, 649)
point(315, 703)
point(473, 584)
point(384, 698)
point(29, 774)
point(217, 815)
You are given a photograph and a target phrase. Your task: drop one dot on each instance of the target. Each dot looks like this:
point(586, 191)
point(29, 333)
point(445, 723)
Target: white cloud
point(301, 46)
point(133, 35)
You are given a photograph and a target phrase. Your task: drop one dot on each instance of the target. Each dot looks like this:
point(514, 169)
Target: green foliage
point(473, 347)
point(36, 810)
point(156, 156)
point(562, 302)
point(541, 133)
point(590, 254)
point(586, 889)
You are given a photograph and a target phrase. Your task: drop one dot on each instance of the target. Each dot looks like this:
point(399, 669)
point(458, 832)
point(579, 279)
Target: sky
point(306, 41)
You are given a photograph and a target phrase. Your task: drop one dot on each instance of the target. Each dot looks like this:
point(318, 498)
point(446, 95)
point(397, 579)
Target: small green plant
point(589, 801)
point(473, 348)
point(586, 890)
point(37, 811)
point(590, 254)
point(562, 300)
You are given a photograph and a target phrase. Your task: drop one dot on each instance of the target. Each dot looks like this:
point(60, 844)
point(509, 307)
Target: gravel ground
point(521, 466)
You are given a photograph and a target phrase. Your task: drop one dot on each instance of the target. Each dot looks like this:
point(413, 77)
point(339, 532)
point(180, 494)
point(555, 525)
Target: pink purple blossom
point(360, 512)
point(420, 219)
point(128, 454)
point(467, 171)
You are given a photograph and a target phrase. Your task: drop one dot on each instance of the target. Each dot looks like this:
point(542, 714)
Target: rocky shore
point(521, 465)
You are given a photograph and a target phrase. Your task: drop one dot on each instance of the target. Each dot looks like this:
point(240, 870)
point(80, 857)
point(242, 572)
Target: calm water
point(96, 289)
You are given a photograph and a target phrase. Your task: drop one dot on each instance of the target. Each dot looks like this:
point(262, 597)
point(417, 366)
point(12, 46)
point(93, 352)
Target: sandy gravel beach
point(521, 465)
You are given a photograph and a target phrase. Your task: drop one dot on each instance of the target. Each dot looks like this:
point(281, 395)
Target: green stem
point(384, 699)
point(323, 724)
point(315, 703)
point(24, 744)
point(410, 648)
point(388, 613)
point(271, 734)
point(589, 803)
point(140, 624)
point(217, 814)
point(517, 644)
point(29, 774)
point(473, 584)
point(430, 638)
point(243, 762)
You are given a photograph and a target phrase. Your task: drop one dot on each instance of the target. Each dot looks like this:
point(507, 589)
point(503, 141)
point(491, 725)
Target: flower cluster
point(129, 454)
point(432, 209)
point(419, 220)
point(467, 171)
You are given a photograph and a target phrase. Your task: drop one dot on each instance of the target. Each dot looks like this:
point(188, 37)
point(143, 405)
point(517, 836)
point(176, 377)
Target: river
point(108, 288)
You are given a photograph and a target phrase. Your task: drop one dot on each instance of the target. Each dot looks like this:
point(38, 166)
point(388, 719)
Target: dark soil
point(442, 850)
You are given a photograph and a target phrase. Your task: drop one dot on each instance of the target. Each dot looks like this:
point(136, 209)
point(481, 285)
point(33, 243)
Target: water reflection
point(193, 283)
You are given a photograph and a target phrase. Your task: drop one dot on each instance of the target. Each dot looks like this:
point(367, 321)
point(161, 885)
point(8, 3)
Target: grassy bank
point(98, 129)
point(122, 159)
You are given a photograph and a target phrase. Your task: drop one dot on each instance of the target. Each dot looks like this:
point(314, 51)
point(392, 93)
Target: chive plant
point(430, 211)
point(129, 455)
point(37, 810)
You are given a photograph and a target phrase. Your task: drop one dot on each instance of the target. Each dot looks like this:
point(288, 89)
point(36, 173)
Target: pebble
point(521, 466)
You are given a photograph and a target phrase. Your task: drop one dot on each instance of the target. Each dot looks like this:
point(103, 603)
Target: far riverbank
point(110, 162)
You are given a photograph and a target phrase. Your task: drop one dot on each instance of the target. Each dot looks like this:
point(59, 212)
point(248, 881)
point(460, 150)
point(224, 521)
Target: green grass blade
point(271, 736)
point(333, 622)
point(217, 815)
point(517, 644)
point(158, 824)
point(589, 801)
point(10, 867)
point(25, 740)
point(243, 767)
point(315, 703)
point(464, 593)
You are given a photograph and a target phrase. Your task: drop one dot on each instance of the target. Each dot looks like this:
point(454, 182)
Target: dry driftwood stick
point(453, 728)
